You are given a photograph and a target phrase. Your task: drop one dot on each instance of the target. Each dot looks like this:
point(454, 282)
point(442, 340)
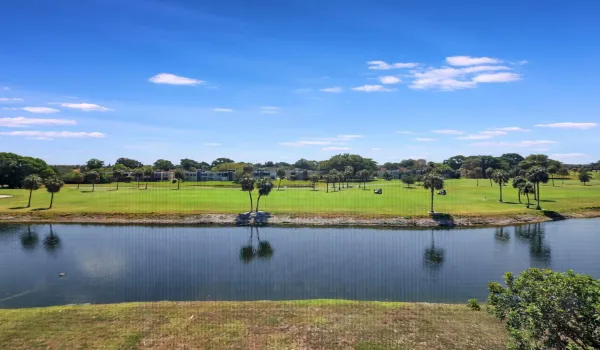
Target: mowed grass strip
point(464, 198)
point(313, 324)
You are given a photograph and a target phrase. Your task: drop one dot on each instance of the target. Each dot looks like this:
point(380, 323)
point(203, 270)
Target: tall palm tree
point(326, 178)
point(477, 173)
point(314, 178)
point(53, 185)
point(348, 173)
point(179, 176)
point(526, 189)
point(536, 175)
point(280, 175)
point(364, 176)
point(148, 172)
point(264, 186)
point(139, 174)
point(93, 177)
point(501, 178)
point(78, 178)
point(488, 173)
point(517, 182)
point(32, 182)
point(247, 183)
point(433, 181)
point(334, 175)
point(117, 172)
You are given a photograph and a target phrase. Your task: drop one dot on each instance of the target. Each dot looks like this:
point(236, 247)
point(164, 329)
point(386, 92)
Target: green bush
point(473, 304)
point(548, 310)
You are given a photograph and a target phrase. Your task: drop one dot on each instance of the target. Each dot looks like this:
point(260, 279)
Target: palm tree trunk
point(51, 200)
point(538, 197)
point(178, 185)
point(477, 182)
point(117, 185)
point(258, 202)
point(432, 200)
point(490, 182)
point(519, 192)
point(78, 185)
point(327, 186)
point(250, 194)
point(552, 177)
point(279, 185)
point(500, 184)
point(29, 203)
point(528, 203)
point(93, 186)
point(146, 184)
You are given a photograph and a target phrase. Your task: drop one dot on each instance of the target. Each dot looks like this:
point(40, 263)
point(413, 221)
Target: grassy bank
point(464, 198)
point(314, 324)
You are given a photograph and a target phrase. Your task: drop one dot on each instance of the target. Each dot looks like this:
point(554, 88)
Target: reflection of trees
point(264, 250)
point(502, 235)
point(534, 235)
point(29, 240)
point(51, 241)
point(433, 258)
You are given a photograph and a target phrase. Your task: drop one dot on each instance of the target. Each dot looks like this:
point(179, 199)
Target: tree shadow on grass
point(38, 209)
point(548, 200)
point(17, 208)
point(510, 202)
point(87, 191)
point(554, 216)
point(442, 219)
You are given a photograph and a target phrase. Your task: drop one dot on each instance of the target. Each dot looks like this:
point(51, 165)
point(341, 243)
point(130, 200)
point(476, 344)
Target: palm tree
point(179, 176)
point(552, 169)
point(280, 175)
point(334, 175)
point(477, 173)
point(78, 178)
point(348, 173)
point(139, 174)
point(563, 172)
point(53, 185)
point(488, 173)
point(517, 182)
point(501, 178)
point(118, 171)
point(148, 172)
point(247, 183)
point(93, 177)
point(433, 181)
point(326, 178)
point(264, 186)
point(364, 176)
point(527, 188)
point(536, 175)
point(314, 178)
point(32, 182)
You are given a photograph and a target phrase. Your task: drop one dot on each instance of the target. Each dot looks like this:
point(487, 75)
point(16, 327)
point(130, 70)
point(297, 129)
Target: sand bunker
point(5, 196)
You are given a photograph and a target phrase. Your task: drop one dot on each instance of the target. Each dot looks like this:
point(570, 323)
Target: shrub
point(545, 309)
point(473, 304)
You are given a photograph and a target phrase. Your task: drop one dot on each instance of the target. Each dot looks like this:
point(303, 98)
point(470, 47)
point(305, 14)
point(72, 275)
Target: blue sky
point(280, 80)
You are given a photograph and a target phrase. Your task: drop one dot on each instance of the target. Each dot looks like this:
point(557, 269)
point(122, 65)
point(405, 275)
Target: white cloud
point(497, 78)
point(212, 144)
point(493, 132)
point(172, 79)
point(305, 143)
point(269, 110)
point(371, 88)
point(405, 132)
point(335, 89)
point(474, 137)
point(335, 149)
point(513, 144)
point(569, 125)
point(86, 107)
point(389, 79)
point(382, 65)
point(348, 137)
point(448, 132)
point(471, 61)
point(424, 139)
point(566, 156)
point(40, 110)
point(522, 62)
point(226, 110)
point(512, 128)
point(54, 134)
point(477, 69)
point(376, 149)
point(40, 138)
point(21, 122)
point(6, 88)
point(10, 99)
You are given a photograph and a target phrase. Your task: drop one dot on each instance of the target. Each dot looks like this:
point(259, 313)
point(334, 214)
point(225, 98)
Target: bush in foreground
point(546, 309)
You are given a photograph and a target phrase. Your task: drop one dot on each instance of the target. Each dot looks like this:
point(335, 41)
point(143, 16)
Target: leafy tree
point(340, 161)
point(188, 164)
point(518, 183)
point(179, 175)
point(364, 176)
point(247, 183)
point(92, 177)
point(584, 177)
point(455, 162)
point(512, 159)
point(218, 161)
point(314, 178)
point(138, 174)
point(280, 175)
point(53, 185)
point(78, 178)
point(348, 173)
point(118, 171)
point(14, 168)
point(562, 172)
point(148, 172)
point(536, 175)
point(387, 175)
point(94, 164)
point(534, 160)
point(129, 163)
point(163, 164)
point(408, 180)
point(544, 309)
point(32, 182)
point(264, 186)
point(527, 188)
point(489, 172)
point(501, 178)
point(306, 164)
point(553, 168)
point(433, 181)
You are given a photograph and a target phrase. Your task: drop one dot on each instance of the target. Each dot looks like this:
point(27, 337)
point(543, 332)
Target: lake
point(110, 264)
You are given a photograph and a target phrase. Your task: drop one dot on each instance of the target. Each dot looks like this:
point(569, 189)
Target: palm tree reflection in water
point(264, 251)
point(534, 235)
point(433, 258)
point(29, 240)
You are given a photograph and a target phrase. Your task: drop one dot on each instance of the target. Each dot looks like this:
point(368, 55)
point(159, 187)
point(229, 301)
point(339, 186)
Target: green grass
point(464, 198)
point(316, 324)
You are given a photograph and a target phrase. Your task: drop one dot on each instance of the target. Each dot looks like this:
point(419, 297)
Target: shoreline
point(440, 220)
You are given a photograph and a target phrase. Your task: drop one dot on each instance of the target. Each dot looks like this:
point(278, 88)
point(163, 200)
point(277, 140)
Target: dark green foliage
point(584, 177)
point(548, 310)
point(408, 180)
point(433, 181)
point(163, 164)
point(129, 163)
point(32, 182)
point(473, 304)
point(264, 187)
point(14, 168)
point(53, 185)
point(94, 164)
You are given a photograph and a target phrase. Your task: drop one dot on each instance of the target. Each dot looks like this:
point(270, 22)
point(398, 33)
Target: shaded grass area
point(464, 198)
point(311, 324)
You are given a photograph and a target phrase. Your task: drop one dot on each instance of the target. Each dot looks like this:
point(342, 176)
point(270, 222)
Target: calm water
point(107, 264)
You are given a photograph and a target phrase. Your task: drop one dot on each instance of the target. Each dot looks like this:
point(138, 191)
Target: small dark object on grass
point(442, 192)
point(62, 274)
point(377, 191)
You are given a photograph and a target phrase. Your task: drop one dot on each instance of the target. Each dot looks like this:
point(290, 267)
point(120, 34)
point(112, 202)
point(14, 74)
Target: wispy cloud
point(389, 79)
point(512, 128)
point(497, 78)
point(424, 139)
point(10, 99)
point(470, 61)
point(349, 137)
point(382, 65)
point(40, 110)
point(225, 110)
point(448, 132)
point(335, 90)
point(172, 79)
point(22, 122)
point(54, 134)
point(493, 132)
point(474, 137)
point(330, 149)
point(371, 88)
point(5, 88)
point(86, 107)
point(212, 144)
point(269, 110)
point(569, 125)
point(405, 132)
point(513, 144)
